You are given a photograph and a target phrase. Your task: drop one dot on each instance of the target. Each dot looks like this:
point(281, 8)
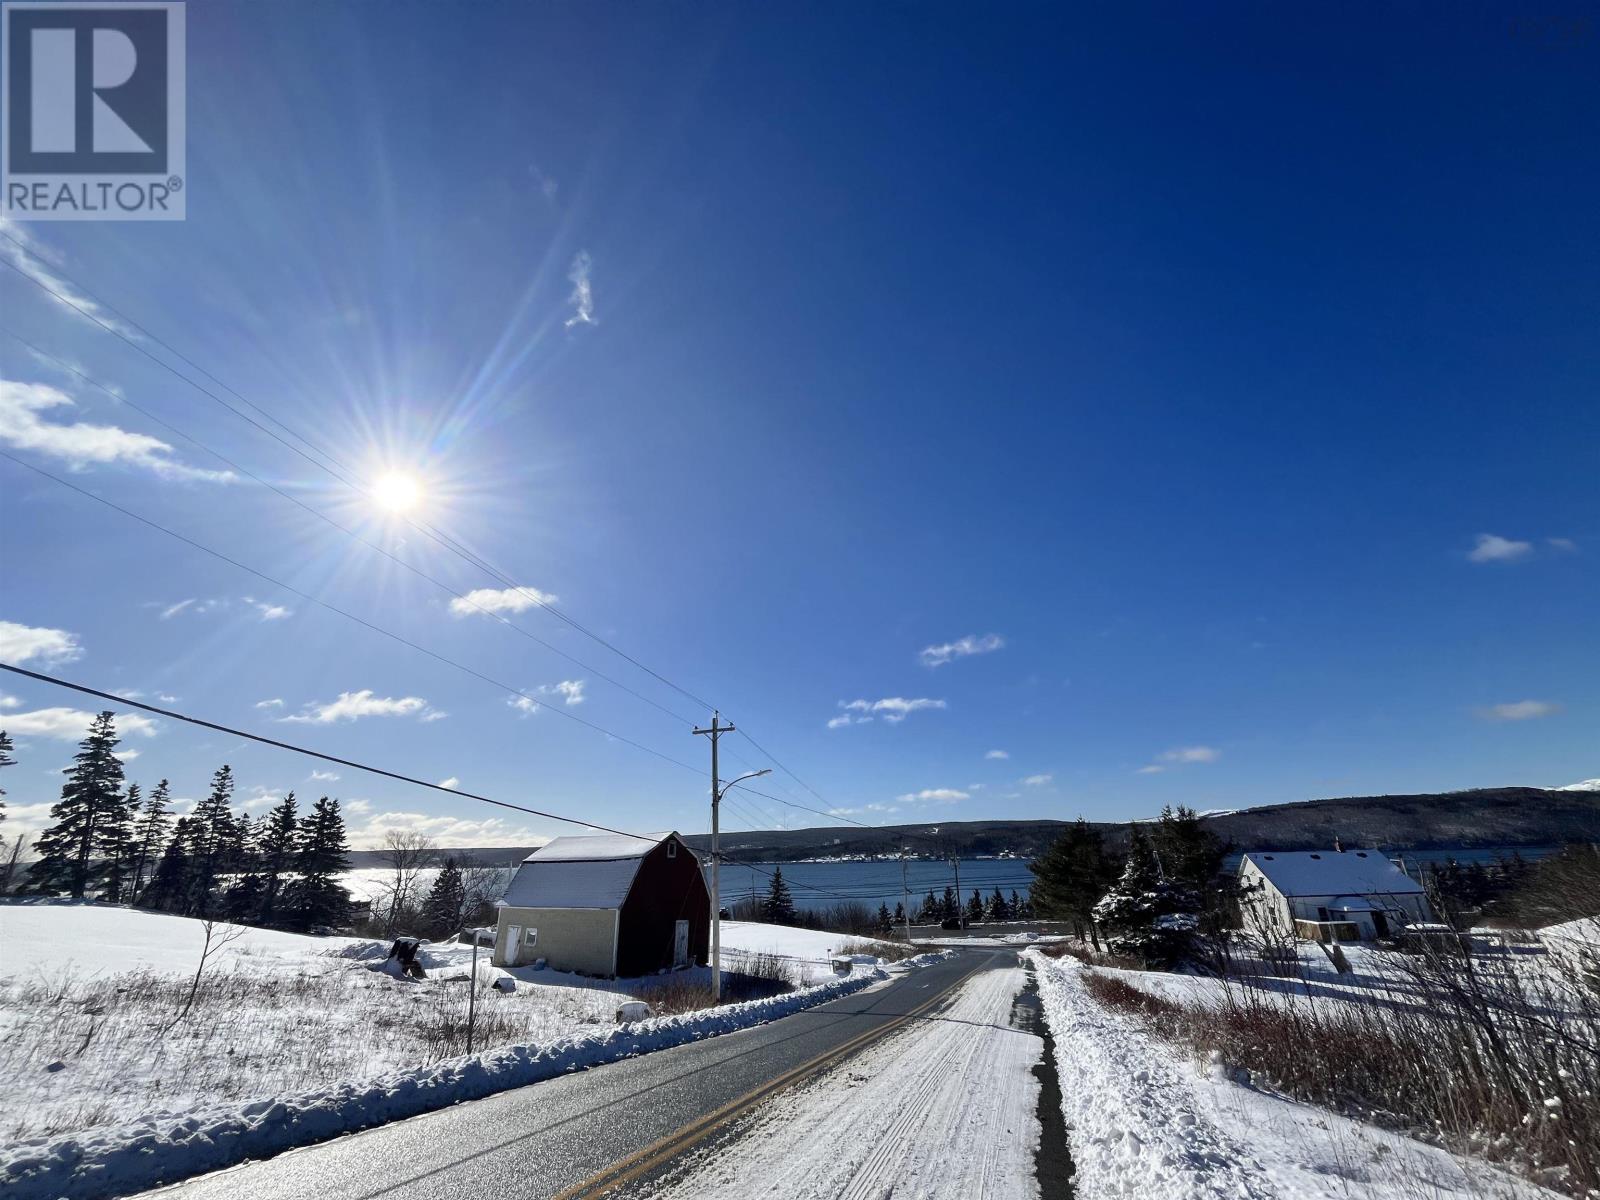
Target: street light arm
point(732, 783)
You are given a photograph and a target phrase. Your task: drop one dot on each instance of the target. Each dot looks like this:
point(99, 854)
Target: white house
point(1329, 895)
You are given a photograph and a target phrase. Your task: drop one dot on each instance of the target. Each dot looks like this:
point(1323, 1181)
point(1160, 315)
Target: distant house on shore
point(1329, 895)
point(609, 905)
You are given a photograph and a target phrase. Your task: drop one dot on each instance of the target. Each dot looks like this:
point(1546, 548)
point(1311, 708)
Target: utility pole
point(961, 905)
point(905, 894)
point(717, 789)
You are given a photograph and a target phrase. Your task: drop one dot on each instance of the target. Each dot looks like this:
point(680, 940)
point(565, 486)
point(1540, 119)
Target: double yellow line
point(679, 1141)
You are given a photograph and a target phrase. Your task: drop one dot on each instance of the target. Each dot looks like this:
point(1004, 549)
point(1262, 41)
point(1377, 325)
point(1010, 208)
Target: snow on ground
point(944, 1108)
point(92, 1045)
point(1144, 1122)
point(998, 940)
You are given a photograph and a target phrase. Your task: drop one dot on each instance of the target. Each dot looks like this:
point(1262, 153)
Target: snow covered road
point(946, 1107)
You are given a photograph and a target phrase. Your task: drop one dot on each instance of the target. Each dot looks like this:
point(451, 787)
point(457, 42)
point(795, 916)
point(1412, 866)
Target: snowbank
point(119, 1159)
point(1144, 1122)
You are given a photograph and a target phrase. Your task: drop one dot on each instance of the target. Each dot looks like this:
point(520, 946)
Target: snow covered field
point(1146, 1121)
point(944, 1109)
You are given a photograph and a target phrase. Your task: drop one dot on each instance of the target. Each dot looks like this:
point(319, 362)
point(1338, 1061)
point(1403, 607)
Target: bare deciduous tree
point(217, 935)
point(407, 854)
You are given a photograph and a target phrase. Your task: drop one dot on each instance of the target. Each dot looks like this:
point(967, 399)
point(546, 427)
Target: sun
point(397, 492)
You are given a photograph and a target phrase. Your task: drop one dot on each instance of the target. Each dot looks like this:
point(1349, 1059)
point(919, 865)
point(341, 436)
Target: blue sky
point(1226, 380)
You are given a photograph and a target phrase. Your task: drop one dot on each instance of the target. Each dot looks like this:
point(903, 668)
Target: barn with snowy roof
point(1329, 895)
point(609, 905)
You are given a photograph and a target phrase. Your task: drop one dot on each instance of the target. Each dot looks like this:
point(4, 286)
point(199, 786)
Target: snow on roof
point(581, 872)
point(596, 847)
point(1332, 873)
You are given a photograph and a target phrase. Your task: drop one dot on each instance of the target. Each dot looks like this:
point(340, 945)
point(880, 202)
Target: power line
point(349, 616)
point(174, 715)
point(344, 529)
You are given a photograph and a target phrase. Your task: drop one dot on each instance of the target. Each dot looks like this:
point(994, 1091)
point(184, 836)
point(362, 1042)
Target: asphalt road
point(581, 1134)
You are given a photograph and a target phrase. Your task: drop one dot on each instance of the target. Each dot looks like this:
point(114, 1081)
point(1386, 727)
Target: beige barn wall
point(570, 939)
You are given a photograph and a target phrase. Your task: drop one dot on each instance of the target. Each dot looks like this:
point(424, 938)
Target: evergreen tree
point(5, 761)
point(154, 820)
point(118, 848)
point(169, 887)
point(447, 899)
point(778, 908)
point(899, 916)
point(1016, 905)
point(929, 910)
point(884, 919)
point(1145, 916)
point(1071, 876)
point(215, 833)
point(276, 848)
point(997, 909)
point(975, 907)
point(91, 804)
point(1187, 851)
point(318, 898)
point(950, 907)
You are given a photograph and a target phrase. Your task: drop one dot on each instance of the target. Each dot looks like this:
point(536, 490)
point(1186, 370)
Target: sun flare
point(397, 492)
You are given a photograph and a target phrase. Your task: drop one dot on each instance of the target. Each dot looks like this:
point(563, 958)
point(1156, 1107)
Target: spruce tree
point(318, 899)
point(778, 908)
point(884, 919)
point(1070, 877)
point(975, 907)
point(5, 761)
point(1015, 906)
point(1144, 915)
point(153, 822)
point(930, 908)
point(950, 908)
point(118, 849)
point(447, 899)
point(899, 916)
point(169, 886)
point(213, 827)
point(997, 909)
point(276, 847)
point(91, 803)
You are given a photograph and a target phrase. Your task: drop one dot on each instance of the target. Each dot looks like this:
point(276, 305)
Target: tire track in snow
point(945, 1109)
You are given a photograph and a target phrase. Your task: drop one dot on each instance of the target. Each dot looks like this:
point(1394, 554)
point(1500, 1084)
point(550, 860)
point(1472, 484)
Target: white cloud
point(33, 258)
point(125, 755)
point(1192, 754)
point(359, 808)
point(432, 715)
point(51, 647)
point(28, 818)
point(933, 795)
point(570, 691)
point(893, 709)
point(81, 445)
point(323, 777)
point(1494, 548)
point(269, 612)
point(582, 298)
point(999, 754)
point(499, 600)
point(173, 610)
point(1565, 545)
point(526, 705)
point(1520, 710)
point(352, 706)
point(454, 782)
point(1152, 769)
point(448, 832)
point(273, 703)
point(70, 724)
point(9, 701)
point(937, 656)
point(1038, 780)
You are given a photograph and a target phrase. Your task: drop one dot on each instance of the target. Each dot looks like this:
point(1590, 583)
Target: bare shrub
point(887, 950)
point(1089, 956)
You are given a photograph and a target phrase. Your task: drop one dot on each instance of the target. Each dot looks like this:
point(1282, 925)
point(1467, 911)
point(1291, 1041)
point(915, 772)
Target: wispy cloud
point(269, 612)
point(1565, 545)
point(323, 777)
point(1037, 780)
point(454, 782)
point(38, 260)
point(1520, 710)
point(354, 706)
point(37, 643)
point(81, 445)
point(570, 690)
point(582, 298)
point(275, 702)
point(70, 724)
point(998, 754)
point(448, 832)
point(892, 709)
point(937, 656)
point(1492, 548)
point(9, 701)
point(1192, 754)
point(1152, 769)
point(933, 796)
point(483, 601)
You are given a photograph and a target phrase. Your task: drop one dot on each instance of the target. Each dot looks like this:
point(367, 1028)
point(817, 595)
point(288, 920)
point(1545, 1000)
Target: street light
point(716, 883)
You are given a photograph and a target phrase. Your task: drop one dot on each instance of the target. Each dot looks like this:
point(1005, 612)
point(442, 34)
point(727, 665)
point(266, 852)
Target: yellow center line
point(685, 1137)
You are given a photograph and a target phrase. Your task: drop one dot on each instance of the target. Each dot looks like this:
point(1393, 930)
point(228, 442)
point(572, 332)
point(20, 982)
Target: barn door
point(680, 944)
point(513, 944)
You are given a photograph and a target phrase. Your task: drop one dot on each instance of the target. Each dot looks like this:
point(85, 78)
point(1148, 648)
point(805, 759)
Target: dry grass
point(1088, 955)
point(886, 950)
point(1490, 1056)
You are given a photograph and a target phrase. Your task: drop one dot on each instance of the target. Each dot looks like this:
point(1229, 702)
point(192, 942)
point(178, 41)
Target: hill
point(1483, 817)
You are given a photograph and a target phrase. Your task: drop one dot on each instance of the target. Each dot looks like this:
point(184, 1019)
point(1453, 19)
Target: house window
point(672, 849)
